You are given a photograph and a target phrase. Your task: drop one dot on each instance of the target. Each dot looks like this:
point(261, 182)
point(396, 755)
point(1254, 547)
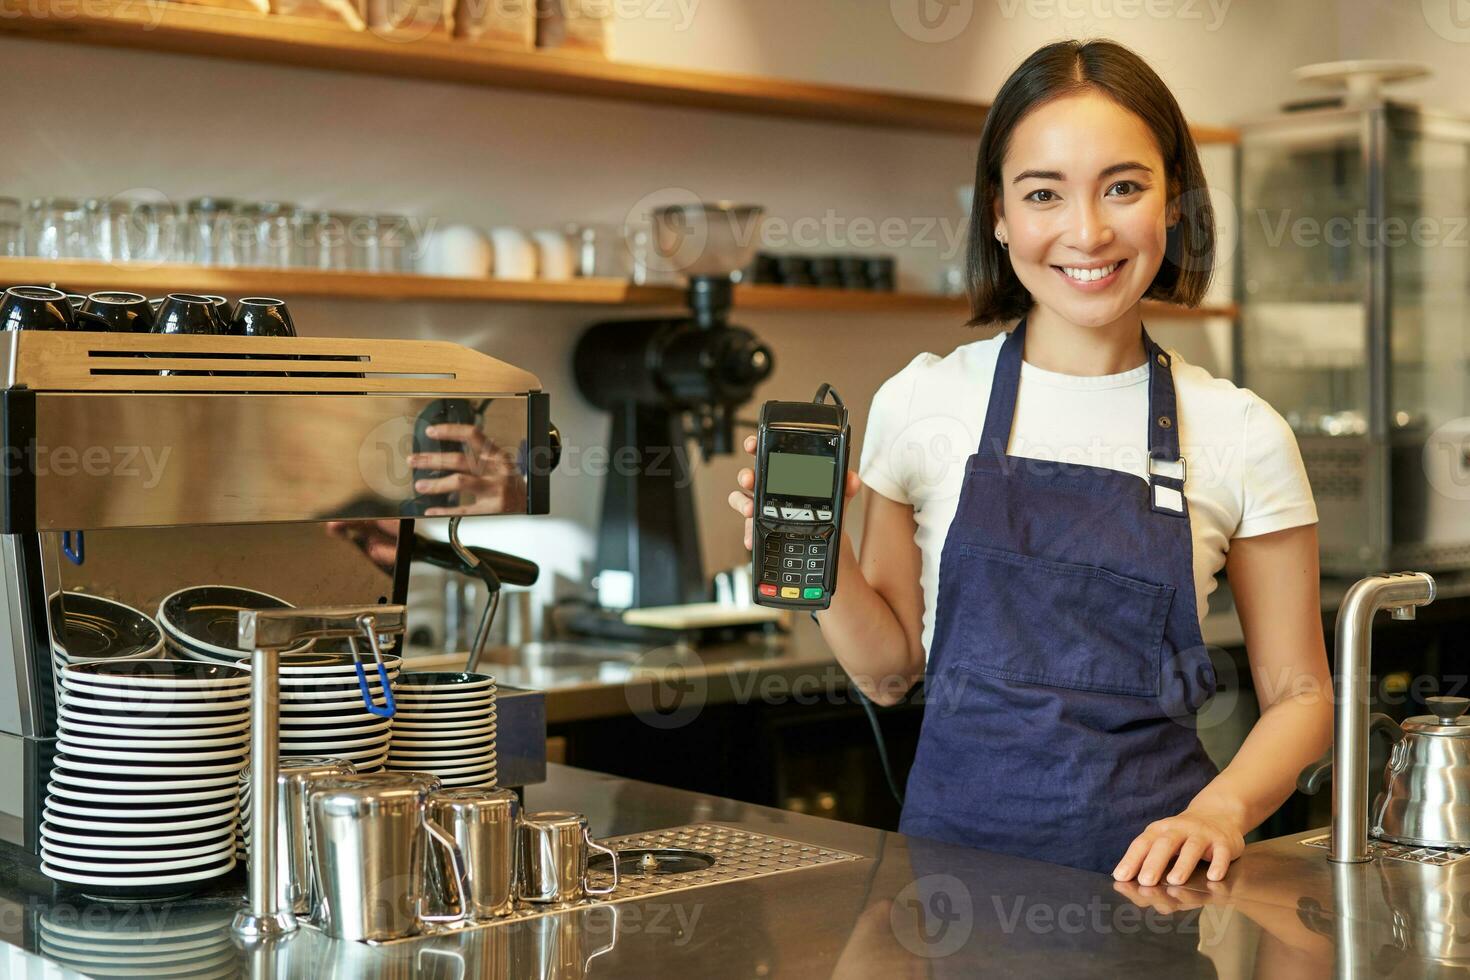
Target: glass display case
point(1355, 257)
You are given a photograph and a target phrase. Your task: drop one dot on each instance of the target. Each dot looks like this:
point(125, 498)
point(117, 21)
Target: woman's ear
point(1172, 211)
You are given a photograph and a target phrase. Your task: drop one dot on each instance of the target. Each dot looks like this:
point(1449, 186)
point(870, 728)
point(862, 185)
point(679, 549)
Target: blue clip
point(388, 708)
point(76, 552)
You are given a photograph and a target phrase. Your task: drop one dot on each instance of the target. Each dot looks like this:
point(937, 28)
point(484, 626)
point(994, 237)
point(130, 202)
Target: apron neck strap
point(1163, 406)
point(1004, 386)
point(1163, 422)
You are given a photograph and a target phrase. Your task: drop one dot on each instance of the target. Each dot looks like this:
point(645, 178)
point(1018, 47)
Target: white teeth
point(1088, 275)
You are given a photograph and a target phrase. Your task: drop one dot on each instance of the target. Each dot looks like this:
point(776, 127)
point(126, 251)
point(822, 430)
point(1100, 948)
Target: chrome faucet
point(1401, 593)
point(267, 633)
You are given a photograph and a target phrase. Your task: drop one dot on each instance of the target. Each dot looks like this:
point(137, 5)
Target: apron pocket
point(1054, 623)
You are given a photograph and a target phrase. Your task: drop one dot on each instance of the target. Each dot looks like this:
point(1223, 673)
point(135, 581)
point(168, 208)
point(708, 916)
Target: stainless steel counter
point(910, 907)
point(787, 666)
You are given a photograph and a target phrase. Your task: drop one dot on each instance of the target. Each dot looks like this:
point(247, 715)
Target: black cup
point(36, 308)
point(186, 313)
point(221, 311)
point(122, 312)
point(262, 316)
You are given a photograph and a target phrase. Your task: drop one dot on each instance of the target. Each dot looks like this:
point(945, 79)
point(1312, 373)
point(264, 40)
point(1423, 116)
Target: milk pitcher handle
point(612, 939)
point(461, 884)
point(593, 845)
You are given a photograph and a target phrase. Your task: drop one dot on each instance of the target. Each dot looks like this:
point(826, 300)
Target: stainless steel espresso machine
point(136, 465)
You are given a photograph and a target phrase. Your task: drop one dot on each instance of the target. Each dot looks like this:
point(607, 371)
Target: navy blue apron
point(1067, 666)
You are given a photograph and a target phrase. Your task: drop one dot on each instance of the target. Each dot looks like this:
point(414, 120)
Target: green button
point(812, 593)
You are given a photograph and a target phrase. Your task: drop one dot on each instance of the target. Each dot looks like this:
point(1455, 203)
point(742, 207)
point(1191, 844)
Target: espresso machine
point(138, 464)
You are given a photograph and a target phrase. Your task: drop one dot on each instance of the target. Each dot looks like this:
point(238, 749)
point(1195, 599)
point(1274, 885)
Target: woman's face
point(1084, 196)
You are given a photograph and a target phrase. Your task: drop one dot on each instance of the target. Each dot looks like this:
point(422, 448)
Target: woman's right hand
point(743, 500)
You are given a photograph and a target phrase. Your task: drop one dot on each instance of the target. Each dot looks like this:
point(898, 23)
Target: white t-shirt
point(1245, 474)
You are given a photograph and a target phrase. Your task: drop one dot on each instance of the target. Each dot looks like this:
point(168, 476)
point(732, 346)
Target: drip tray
point(677, 859)
point(1399, 852)
point(636, 861)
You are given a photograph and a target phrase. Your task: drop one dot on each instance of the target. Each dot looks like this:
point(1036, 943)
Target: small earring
point(1005, 246)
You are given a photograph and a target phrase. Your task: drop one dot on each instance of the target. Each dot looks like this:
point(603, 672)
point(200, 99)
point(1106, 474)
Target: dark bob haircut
point(1070, 68)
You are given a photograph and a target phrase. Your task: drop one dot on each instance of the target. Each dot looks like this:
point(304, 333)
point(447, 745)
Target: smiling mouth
point(1091, 279)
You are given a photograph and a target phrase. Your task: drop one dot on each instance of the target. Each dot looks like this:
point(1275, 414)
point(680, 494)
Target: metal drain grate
point(739, 855)
point(1399, 852)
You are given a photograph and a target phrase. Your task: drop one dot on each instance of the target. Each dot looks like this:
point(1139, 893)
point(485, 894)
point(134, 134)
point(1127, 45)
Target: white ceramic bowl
point(68, 806)
point(117, 794)
point(180, 877)
point(85, 729)
point(164, 747)
point(141, 785)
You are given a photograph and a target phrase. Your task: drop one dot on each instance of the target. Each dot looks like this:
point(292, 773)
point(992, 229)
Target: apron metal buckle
point(1166, 489)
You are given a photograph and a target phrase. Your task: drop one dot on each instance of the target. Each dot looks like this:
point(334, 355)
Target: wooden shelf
point(247, 36)
point(289, 284)
point(786, 298)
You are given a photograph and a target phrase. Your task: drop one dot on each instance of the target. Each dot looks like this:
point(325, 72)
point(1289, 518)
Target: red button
point(768, 589)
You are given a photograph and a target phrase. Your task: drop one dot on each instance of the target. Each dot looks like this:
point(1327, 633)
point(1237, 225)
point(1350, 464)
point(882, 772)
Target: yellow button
point(791, 592)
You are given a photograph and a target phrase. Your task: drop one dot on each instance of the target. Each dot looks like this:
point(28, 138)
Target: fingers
point(1189, 856)
point(1160, 853)
point(1165, 901)
point(1127, 868)
point(741, 503)
point(746, 478)
point(749, 444)
point(854, 484)
point(1220, 858)
point(455, 483)
point(382, 553)
point(470, 435)
point(440, 461)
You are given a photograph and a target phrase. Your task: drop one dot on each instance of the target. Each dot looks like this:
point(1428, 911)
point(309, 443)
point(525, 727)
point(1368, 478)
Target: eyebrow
point(1058, 175)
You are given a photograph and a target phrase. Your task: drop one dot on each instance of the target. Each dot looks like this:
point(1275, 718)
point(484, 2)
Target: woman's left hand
point(1192, 835)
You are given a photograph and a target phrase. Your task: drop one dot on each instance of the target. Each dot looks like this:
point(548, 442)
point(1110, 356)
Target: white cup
point(515, 255)
point(554, 250)
point(457, 250)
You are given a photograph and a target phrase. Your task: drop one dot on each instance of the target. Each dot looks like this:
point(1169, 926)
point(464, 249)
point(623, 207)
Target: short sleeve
point(1275, 492)
point(888, 417)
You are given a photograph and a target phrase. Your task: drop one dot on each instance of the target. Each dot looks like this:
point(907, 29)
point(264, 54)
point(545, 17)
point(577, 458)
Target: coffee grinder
point(668, 381)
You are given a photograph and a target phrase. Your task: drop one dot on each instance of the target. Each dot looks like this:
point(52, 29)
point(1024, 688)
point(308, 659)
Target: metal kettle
point(1426, 792)
point(1425, 799)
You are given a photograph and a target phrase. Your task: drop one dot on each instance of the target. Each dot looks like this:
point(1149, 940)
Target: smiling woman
point(1050, 587)
point(1111, 180)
